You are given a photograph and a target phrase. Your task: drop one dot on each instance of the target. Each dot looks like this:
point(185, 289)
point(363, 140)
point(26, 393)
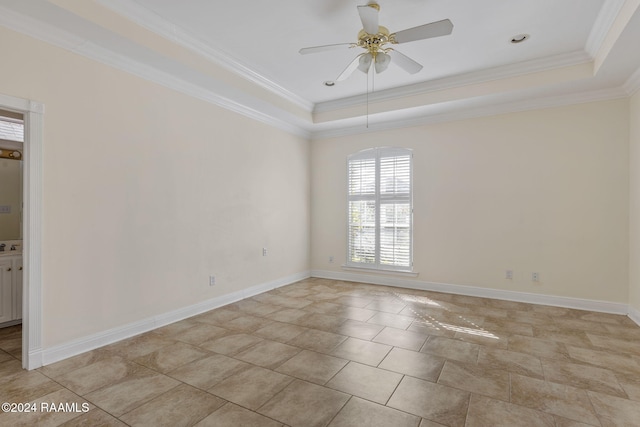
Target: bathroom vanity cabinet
point(10, 288)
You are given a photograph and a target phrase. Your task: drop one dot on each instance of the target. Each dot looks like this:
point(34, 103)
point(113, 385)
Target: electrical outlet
point(508, 274)
point(264, 251)
point(212, 280)
point(331, 259)
point(535, 277)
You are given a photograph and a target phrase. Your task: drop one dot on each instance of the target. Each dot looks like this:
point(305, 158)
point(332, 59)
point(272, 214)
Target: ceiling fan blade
point(404, 62)
point(353, 65)
point(369, 18)
point(426, 31)
point(317, 49)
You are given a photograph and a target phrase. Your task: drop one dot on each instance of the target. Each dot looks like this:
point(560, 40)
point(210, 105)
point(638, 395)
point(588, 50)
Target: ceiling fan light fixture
point(382, 62)
point(365, 62)
point(375, 38)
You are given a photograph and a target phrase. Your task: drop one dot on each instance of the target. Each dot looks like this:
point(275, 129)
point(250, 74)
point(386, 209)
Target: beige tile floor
point(323, 352)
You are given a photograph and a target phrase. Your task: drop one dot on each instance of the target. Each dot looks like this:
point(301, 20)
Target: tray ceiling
point(245, 56)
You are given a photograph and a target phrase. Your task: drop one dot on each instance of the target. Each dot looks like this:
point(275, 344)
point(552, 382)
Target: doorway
point(33, 113)
point(11, 159)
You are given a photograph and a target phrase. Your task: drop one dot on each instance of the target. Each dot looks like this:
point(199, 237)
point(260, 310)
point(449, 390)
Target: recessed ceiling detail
point(580, 49)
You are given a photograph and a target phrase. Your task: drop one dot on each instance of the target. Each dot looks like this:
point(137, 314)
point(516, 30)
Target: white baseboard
point(91, 342)
point(558, 301)
point(72, 348)
point(634, 314)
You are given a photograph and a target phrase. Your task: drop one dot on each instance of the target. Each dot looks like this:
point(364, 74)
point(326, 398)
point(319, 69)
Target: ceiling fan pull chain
point(368, 99)
point(373, 82)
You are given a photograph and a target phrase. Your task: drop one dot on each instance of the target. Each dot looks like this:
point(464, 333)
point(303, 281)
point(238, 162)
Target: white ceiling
point(266, 36)
point(579, 50)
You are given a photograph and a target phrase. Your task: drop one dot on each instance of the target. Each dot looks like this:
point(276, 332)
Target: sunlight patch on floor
point(473, 329)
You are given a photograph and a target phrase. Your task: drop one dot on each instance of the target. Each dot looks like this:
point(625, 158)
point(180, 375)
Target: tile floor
point(323, 352)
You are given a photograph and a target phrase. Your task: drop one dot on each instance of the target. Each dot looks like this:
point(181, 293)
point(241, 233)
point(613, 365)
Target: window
point(11, 129)
point(380, 209)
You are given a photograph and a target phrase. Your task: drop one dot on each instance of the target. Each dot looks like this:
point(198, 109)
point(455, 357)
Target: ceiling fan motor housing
point(374, 42)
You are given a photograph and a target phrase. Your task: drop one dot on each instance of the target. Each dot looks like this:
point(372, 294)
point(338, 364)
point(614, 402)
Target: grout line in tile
point(341, 408)
point(394, 390)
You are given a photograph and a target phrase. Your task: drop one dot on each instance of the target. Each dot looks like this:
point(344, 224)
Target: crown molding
point(475, 77)
point(153, 22)
point(604, 21)
point(38, 29)
point(249, 107)
point(150, 20)
point(215, 92)
point(421, 119)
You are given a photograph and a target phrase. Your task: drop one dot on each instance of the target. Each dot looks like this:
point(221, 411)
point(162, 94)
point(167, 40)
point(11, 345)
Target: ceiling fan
point(373, 38)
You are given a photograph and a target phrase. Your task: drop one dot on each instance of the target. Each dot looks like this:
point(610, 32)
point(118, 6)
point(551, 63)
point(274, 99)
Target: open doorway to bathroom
point(11, 233)
point(24, 341)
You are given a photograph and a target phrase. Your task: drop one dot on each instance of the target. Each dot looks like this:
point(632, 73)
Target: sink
point(10, 253)
point(7, 247)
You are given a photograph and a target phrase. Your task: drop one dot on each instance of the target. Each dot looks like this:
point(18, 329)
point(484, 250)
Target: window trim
point(379, 153)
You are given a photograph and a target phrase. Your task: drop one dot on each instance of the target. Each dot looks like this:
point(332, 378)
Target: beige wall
point(634, 202)
point(147, 192)
point(540, 191)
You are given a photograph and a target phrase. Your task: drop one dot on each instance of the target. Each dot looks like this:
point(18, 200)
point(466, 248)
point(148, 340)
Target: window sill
point(381, 271)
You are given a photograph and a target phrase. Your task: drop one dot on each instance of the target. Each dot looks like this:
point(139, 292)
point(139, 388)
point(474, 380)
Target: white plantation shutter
point(380, 209)
point(362, 176)
point(362, 216)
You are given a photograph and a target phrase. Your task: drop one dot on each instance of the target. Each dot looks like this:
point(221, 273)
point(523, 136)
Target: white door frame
point(31, 228)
